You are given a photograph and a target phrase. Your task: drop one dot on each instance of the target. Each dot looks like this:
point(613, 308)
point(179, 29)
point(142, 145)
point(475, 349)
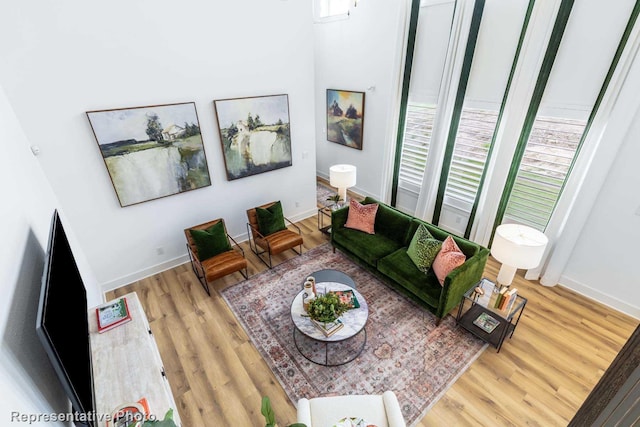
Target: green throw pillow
point(210, 242)
point(423, 248)
point(270, 219)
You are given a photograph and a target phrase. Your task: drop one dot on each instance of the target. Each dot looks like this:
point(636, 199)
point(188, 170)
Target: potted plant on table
point(327, 308)
point(336, 199)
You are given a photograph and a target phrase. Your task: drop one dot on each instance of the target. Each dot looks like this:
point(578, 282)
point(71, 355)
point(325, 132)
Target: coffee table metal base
point(342, 352)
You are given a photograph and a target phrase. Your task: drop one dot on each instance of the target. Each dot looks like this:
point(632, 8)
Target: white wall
point(604, 262)
point(27, 380)
point(58, 60)
point(355, 54)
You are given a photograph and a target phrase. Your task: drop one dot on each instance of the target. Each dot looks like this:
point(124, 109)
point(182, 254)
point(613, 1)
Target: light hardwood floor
point(561, 348)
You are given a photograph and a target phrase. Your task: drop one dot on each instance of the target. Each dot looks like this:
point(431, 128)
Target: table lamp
point(342, 177)
point(517, 246)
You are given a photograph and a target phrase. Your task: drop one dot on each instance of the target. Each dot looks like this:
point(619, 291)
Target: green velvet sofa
point(385, 254)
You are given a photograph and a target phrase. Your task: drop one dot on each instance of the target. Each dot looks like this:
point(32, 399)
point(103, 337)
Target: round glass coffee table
point(345, 344)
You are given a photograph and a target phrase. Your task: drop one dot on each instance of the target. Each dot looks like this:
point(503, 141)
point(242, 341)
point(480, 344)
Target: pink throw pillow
point(449, 258)
point(362, 217)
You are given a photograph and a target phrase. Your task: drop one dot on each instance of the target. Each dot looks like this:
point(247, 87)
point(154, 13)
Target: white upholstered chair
point(382, 410)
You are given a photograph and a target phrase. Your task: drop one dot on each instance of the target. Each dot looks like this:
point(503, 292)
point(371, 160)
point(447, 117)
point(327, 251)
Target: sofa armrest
point(394, 413)
point(304, 412)
point(339, 218)
point(460, 280)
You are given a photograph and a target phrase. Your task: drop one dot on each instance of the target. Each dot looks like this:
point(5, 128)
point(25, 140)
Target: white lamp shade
point(518, 246)
point(342, 176)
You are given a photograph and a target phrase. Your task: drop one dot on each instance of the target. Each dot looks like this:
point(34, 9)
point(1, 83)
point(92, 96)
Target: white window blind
point(546, 162)
point(415, 145)
point(470, 154)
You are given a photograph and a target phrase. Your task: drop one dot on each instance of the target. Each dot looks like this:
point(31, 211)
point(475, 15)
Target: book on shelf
point(500, 297)
point(112, 314)
point(510, 299)
point(328, 328)
point(485, 322)
point(503, 299)
point(347, 297)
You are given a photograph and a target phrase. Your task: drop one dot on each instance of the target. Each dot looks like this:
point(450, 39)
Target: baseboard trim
point(141, 274)
point(600, 297)
point(174, 262)
point(303, 215)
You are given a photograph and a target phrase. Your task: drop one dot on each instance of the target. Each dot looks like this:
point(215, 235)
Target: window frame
point(317, 7)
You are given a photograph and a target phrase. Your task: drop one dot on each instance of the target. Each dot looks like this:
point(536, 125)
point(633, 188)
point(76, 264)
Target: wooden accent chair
point(220, 265)
point(273, 243)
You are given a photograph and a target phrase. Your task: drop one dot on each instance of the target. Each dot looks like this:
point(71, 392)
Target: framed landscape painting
point(151, 152)
point(255, 134)
point(345, 117)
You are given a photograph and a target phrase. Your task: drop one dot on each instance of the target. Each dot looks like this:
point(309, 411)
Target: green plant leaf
point(267, 412)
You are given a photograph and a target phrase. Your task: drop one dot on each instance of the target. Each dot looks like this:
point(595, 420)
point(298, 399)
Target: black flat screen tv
point(62, 323)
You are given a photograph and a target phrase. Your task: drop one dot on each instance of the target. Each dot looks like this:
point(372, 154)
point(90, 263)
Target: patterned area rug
point(404, 351)
point(323, 192)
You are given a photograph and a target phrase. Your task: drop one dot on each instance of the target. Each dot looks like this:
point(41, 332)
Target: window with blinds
point(545, 165)
point(576, 84)
point(490, 56)
point(415, 145)
point(470, 154)
point(431, 43)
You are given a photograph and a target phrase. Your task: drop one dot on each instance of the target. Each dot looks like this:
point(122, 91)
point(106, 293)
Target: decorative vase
point(308, 295)
point(313, 282)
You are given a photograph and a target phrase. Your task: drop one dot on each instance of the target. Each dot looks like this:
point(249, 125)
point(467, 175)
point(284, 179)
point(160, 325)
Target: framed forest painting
point(255, 134)
point(151, 152)
point(345, 117)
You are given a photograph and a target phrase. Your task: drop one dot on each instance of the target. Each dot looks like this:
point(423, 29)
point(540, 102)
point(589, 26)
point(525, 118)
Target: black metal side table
point(478, 314)
point(324, 213)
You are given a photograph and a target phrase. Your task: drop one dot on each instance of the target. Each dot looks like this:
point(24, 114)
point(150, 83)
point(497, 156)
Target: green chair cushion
point(211, 241)
point(423, 248)
point(270, 219)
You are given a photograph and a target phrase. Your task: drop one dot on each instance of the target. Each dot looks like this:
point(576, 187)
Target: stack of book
point(112, 314)
point(506, 298)
point(328, 328)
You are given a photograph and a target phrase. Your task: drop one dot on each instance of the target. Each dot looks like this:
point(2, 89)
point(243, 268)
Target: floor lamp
point(342, 177)
point(517, 246)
